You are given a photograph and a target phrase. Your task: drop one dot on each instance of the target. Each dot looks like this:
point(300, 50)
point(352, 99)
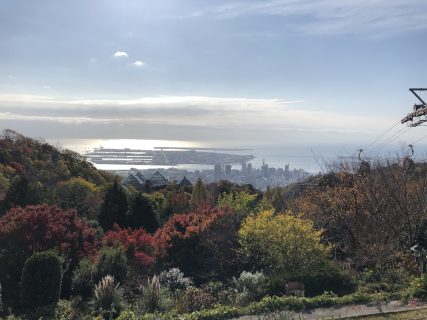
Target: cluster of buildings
point(156, 180)
point(260, 178)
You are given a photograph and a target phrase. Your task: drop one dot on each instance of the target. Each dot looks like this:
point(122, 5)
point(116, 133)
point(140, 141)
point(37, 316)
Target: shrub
point(84, 278)
point(194, 299)
point(327, 278)
point(41, 280)
point(112, 261)
point(108, 297)
point(174, 280)
point(251, 286)
point(127, 315)
point(282, 242)
point(140, 246)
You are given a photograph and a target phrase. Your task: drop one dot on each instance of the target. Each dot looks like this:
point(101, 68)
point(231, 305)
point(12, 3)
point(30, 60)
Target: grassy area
point(407, 315)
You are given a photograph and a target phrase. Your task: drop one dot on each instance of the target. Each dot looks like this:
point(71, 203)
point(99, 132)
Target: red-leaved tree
point(185, 241)
point(141, 246)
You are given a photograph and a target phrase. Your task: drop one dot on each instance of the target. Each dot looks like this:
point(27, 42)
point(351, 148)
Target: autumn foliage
point(24, 231)
point(141, 247)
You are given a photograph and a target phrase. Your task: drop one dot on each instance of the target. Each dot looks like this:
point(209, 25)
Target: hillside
point(34, 172)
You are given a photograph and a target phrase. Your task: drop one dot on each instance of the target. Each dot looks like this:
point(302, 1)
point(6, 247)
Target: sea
point(311, 158)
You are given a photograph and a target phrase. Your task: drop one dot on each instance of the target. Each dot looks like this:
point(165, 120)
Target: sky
point(304, 72)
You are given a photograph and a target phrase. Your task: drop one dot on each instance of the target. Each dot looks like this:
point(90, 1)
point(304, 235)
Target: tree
point(374, 219)
point(186, 241)
point(78, 193)
point(282, 242)
point(140, 246)
point(41, 281)
point(114, 208)
point(142, 214)
point(22, 192)
point(112, 261)
point(242, 203)
point(199, 195)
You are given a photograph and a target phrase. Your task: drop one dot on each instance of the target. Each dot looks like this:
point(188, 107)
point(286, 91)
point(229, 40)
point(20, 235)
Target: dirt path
point(346, 312)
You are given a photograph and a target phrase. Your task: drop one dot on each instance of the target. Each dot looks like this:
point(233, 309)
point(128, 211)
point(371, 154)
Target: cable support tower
point(419, 114)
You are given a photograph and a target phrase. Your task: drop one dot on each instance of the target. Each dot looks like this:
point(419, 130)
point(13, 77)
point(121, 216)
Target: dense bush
point(141, 247)
point(112, 261)
point(84, 278)
point(282, 242)
point(326, 278)
point(185, 242)
point(194, 299)
point(41, 280)
point(251, 287)
point(174, 280)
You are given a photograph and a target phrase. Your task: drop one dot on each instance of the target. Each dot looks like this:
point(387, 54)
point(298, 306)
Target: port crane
point(419, 113)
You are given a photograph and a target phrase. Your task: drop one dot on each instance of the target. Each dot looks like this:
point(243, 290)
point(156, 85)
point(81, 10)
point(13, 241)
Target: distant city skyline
point(254, 72)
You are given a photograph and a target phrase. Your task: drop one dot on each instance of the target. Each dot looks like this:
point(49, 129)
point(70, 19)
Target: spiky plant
point(151, 294)
point(108, 297)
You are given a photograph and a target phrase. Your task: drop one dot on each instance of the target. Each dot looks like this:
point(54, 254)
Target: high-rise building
point(243, 168)
point(287, 173)
point(272, 172)
point(280, 172)
point(217, 172)
point(264, 170)
point(228, 169)
point(249, 169)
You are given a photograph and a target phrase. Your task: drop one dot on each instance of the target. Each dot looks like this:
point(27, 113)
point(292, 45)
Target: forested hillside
point(34, 172)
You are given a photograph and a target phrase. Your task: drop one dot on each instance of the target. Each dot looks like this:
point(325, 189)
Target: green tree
point(114, 208)
point(160, 204)
point(199, 195)
point(41, 280)
point(112, 261)
point(282, 242)
point(23, 192)
point(77, 193)
point(242, 203)
point(142, 214)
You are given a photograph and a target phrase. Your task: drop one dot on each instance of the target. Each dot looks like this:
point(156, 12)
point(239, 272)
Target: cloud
point(231, 113)
point(373, 18)
point(207, 118)
point(121, 54)
point(138, 63)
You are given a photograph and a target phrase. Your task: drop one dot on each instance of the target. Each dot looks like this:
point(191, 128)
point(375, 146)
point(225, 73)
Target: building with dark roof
point(184, 182)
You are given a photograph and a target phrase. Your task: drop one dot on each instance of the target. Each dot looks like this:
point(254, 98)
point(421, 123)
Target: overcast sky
point(291, 70)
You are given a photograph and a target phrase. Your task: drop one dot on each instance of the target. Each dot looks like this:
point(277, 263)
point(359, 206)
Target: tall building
point(271, 172)
point(217, 172)
point(287, 172)
point(249, 169)
point(228, 169)
point(243, 168)
point(264, 170)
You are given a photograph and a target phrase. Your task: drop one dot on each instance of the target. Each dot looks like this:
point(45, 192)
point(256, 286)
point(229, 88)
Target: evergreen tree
point(142, 214)
point(41, 280)
point(199, 196)
point(114, 208)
